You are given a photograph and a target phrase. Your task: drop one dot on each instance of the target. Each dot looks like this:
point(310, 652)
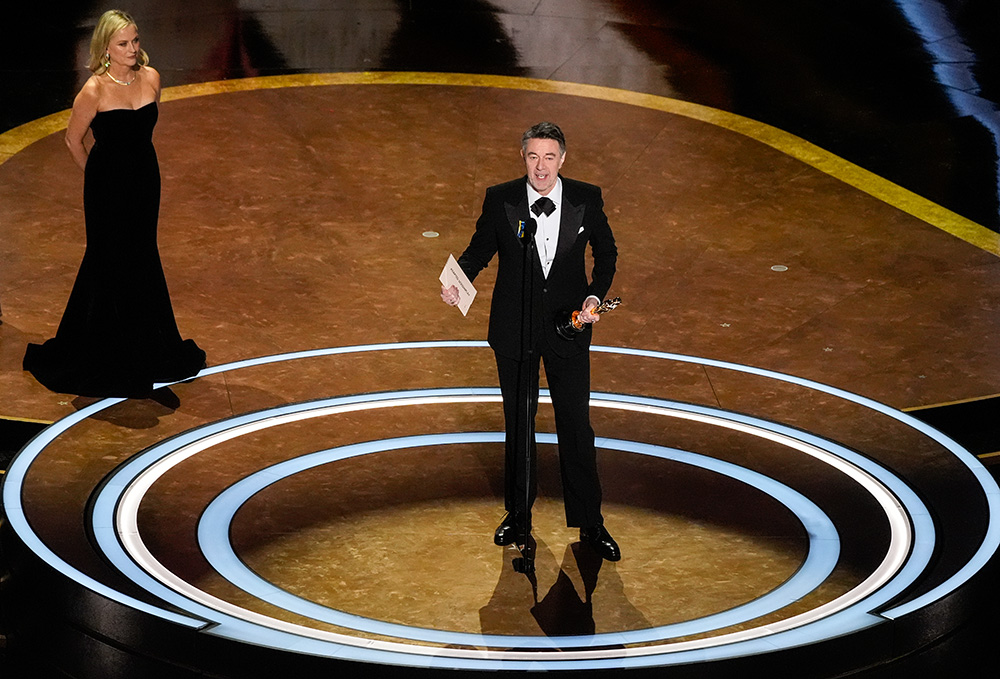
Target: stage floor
point(334, 476)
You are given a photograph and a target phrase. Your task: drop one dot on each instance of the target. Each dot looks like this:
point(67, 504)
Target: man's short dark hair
point(544, 131)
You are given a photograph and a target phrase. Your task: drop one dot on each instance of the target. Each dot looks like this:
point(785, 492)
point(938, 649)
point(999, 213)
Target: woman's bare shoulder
point(89, 95)
point(152, 74)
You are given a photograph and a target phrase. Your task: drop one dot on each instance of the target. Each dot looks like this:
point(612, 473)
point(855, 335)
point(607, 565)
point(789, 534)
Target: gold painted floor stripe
point(10, 418)
point(950, 403)
point(20, 137)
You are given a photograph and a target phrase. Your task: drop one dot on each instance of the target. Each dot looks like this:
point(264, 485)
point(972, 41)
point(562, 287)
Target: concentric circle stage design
point(901, 581)
point(324, 494)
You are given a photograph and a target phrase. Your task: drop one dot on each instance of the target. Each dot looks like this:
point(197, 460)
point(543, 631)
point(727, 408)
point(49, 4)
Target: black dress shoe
point(600, 541)
point(510, 530)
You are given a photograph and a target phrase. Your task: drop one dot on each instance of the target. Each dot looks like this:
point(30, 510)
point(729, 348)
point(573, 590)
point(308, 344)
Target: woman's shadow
point(134, 413)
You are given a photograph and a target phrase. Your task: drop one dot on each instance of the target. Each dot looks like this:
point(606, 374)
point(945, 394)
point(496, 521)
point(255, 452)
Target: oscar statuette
point(569, 326)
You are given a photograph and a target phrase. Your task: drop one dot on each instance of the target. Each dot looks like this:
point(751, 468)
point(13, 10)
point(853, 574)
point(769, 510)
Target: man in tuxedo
point(568, 215)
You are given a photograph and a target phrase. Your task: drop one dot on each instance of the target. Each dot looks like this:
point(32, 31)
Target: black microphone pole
point(527, 561)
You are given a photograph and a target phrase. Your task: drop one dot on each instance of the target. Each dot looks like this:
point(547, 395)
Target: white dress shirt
point(547, 235)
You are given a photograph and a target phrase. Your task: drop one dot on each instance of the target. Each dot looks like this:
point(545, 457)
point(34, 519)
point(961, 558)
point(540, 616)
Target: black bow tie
point(543, 204)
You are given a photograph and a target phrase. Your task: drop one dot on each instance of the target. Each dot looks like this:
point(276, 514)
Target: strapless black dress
point(118, 334)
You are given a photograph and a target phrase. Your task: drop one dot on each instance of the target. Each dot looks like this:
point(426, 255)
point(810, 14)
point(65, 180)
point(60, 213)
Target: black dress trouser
point(569, 386)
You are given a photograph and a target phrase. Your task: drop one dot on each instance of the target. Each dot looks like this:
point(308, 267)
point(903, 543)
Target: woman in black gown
point(118, 335)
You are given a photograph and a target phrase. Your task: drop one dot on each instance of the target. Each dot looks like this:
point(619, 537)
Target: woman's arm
point(84, 110)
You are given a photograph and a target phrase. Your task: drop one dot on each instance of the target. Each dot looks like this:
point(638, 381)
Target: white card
point(452, 274)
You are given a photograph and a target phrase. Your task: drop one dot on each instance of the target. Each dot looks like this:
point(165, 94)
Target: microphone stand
point(526, 563)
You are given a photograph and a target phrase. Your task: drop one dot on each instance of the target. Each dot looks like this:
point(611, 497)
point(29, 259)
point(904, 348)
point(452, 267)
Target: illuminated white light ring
point(901, 532)
point(843, 602)
point(991, 539)
point(13, 482)
point(17, 519)
point(214, 530)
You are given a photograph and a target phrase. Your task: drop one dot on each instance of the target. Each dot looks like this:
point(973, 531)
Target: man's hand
point(449, 295)
point(586, 314)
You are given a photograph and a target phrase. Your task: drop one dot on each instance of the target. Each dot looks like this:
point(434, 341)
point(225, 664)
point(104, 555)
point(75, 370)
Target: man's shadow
point(567, 608)
point(565, 611)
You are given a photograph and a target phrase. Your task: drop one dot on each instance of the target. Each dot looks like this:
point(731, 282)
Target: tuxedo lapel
point(516, 206)
point(570, 223)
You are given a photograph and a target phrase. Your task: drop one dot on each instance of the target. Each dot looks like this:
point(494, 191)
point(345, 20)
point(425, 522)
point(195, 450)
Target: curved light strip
point(18, 520)
point(13, 484)
point(991, 539)
point(167, 459)
point(215, 523)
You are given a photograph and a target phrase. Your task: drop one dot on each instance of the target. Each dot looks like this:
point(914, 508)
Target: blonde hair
point(110, 23)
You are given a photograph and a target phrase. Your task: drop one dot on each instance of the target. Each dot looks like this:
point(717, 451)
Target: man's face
point(542, 160)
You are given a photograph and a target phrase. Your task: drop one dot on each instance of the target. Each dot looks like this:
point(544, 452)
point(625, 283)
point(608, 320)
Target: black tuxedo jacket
point(582, 221)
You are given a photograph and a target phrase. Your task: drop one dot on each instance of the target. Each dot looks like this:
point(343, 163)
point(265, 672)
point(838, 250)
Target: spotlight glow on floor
point(115, 526)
